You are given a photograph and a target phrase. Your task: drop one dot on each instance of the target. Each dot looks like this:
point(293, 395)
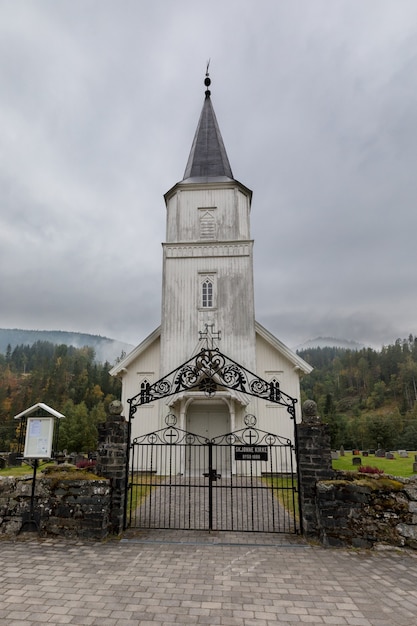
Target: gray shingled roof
point(208, 159)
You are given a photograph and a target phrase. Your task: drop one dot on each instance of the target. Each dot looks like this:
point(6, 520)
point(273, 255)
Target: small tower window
point(207, 294)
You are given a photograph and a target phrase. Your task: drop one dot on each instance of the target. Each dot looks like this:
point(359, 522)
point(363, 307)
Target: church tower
point(208, 255)
point(208, 301)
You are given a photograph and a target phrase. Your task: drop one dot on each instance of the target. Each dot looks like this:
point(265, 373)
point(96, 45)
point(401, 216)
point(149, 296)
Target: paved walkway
point(239, 503)
point(170, 578)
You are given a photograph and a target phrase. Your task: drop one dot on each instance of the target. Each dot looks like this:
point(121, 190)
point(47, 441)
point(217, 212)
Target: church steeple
point(208, 253)
point(208, 160)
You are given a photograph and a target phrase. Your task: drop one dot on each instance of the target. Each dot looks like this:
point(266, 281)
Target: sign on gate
point(251, 453)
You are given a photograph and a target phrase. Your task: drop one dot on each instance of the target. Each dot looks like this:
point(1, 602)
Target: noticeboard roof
point(36, 407)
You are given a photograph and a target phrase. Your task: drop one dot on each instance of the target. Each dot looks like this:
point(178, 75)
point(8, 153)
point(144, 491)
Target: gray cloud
point(316, 103)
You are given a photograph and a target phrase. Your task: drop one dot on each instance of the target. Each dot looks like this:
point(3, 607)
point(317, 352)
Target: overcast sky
point(317, 105)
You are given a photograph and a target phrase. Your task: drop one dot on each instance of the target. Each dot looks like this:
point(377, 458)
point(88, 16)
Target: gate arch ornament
point(208, 371)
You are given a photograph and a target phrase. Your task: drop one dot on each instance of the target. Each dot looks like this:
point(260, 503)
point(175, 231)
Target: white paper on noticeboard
point(39, 435)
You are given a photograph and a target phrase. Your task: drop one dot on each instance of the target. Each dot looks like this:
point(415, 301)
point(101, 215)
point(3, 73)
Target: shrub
point(367, 469)
point(86, 464)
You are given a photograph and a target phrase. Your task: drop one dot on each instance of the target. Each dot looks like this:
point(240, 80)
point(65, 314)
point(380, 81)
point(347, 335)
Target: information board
point(39, 434)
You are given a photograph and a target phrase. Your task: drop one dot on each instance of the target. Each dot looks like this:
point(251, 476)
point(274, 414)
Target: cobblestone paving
point(239, 504)
point(172, 578)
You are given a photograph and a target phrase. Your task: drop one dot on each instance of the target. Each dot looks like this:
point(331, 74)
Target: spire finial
point(207, 80)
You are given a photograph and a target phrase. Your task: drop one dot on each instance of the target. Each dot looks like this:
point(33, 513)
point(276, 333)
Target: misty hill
point(330, 342)
point(105, 349)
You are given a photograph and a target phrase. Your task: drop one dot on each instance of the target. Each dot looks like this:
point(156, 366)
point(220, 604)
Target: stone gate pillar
point(112, 453)
point(314, 463)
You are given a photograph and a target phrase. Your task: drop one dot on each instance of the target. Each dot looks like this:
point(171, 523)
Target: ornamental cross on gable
point(209, 336)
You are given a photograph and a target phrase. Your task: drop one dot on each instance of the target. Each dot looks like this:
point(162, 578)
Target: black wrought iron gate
point(240, 481)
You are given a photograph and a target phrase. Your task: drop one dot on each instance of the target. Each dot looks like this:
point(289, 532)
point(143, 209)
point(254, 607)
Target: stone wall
point(112, 451)
point(350, 508)
point(362, 510)
point(314, 464)
point(63, 506)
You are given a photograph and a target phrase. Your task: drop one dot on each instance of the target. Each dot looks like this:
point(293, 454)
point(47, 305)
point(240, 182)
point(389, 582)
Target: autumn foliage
point(66, 378)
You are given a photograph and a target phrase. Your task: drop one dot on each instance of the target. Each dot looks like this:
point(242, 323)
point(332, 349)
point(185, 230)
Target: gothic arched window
point(207, 294)
point(275, 393)
point(144, 391)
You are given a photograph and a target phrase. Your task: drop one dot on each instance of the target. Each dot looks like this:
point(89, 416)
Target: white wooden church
point(208, 301)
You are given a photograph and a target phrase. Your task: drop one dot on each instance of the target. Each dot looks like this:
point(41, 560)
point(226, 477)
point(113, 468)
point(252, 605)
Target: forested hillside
point(369, 398)
point(68, 379)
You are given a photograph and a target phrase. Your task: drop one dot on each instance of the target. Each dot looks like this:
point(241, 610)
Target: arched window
point(144, 391)
point(275, 393)
point(207, 294)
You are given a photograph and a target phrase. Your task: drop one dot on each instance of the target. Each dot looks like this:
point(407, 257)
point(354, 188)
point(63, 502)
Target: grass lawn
point(285, 490)
point(21, 470)
point(396, 466)
point(142, 485)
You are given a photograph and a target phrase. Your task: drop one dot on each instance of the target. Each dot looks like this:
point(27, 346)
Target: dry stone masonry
point(362, 510)
point(64, 506)
point(111, 462)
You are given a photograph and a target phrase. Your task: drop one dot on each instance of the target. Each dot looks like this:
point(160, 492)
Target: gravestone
point(335, 455)
point(403, 454)
point(365, 453)
point(356, 460)
point(371, 451)
point(380, 453)
point(342, 451)
point(59, 458)
point(14, 459)
point(389, 455)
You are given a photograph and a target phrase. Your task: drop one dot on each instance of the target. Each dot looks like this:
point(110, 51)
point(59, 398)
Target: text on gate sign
point(251, 453)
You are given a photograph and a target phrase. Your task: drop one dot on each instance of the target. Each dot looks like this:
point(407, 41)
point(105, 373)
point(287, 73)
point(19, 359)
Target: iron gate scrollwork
point(239, 481)
point(209, 371)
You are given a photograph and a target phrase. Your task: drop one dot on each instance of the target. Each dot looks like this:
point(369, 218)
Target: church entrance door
point(208, 420)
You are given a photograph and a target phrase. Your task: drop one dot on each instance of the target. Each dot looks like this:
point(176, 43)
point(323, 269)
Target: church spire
point(208, 159)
